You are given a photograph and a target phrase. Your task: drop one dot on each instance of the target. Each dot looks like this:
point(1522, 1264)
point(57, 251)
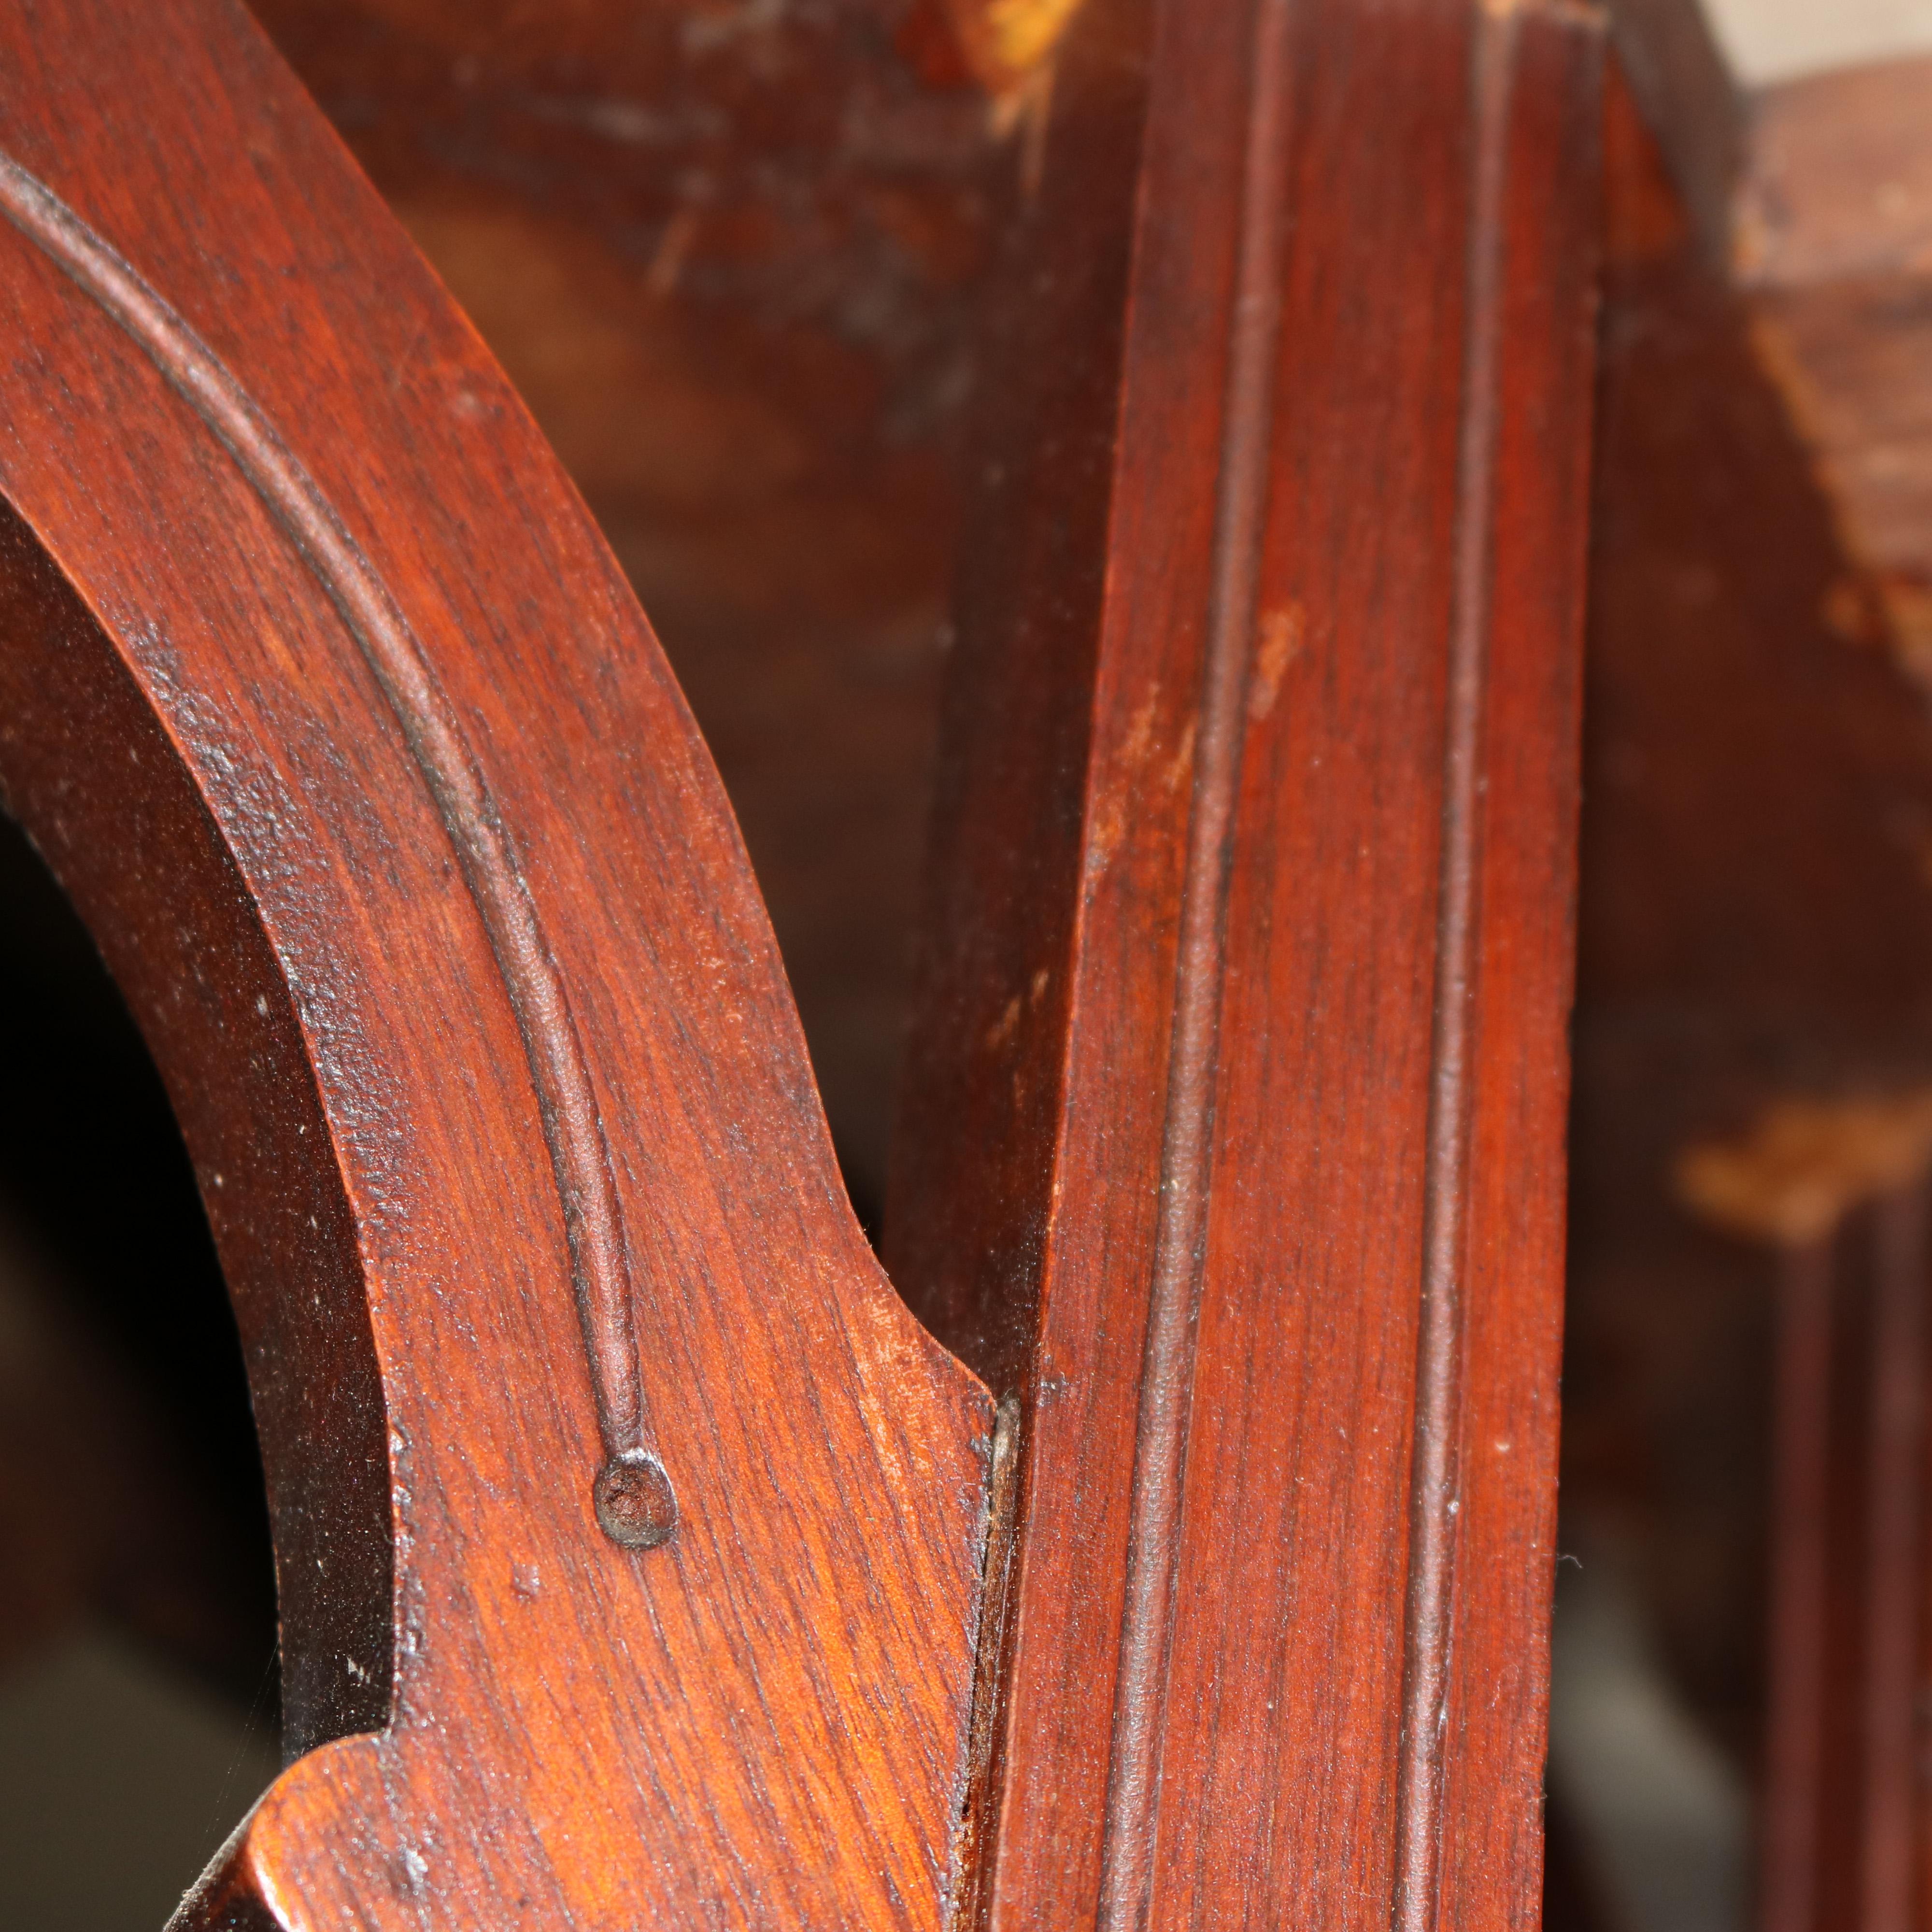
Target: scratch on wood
point(1283, 633)
point(573, 1128)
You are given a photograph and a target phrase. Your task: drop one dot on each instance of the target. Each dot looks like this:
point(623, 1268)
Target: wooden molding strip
point(1261, 770)
point(1186, 1153)
point(1439, 1355)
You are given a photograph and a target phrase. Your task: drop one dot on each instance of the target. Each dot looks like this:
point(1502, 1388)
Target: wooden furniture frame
point(643, 1561)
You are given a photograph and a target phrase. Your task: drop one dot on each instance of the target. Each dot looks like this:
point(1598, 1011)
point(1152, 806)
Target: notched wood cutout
point(330, 708)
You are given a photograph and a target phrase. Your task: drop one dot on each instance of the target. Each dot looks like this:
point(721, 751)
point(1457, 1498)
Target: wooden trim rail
point(1233, 1126)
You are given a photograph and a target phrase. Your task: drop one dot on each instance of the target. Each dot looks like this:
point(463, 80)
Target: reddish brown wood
point(1755, 927)
point(1234, 1123)
point(331, 709)
point(730, 257)
point(1831, 236)
point(643, 1563)
point(1895, 1507)
point(1668, 57)
point(1813, 197)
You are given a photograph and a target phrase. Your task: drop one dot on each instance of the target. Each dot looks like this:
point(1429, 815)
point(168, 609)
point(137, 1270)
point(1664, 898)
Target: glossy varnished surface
point(1231, 1146)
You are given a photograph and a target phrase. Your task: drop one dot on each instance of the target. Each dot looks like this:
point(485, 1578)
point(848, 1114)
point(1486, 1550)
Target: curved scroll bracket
point(330, 708)
point(634, 1503)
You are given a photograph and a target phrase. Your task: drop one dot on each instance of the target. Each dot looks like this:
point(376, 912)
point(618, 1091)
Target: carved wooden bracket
point(329, 707)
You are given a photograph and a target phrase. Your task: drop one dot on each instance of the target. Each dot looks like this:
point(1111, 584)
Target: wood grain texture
point(731, 257)
point(1247, 956)
point(333, 714)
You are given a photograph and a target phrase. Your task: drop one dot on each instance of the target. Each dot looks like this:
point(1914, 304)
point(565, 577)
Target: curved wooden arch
point(629, 1529)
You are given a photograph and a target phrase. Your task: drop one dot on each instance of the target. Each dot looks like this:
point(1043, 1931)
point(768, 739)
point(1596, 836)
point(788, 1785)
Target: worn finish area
point(482, 1045)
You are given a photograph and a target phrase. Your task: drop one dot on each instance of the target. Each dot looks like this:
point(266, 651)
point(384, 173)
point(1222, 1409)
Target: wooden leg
point(1233, 1122)
point(1849, 1606)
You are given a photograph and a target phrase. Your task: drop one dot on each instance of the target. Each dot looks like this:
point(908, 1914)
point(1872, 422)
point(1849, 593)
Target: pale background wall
point(1767, 40)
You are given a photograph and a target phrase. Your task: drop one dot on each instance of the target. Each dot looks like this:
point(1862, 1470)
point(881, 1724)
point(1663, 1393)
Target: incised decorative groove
point(1160, 1442)
point(633, 1498)
point(1435, 1474)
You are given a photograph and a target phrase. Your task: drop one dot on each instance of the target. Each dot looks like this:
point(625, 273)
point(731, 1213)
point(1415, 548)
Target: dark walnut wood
point(1232, 1137)
point(1756, 931)
point(1834, 1197)
point(1845, 1838)
point(331, 711)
